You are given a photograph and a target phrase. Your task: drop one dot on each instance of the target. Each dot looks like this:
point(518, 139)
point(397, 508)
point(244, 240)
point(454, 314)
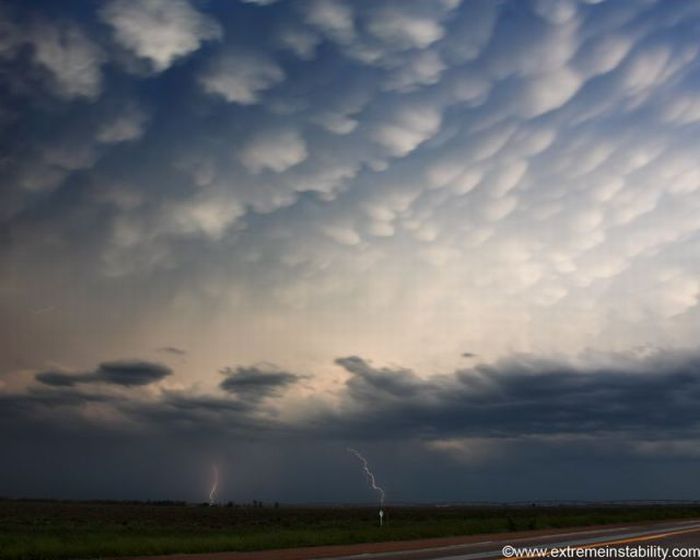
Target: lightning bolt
point(369, 474)
point(214, 485)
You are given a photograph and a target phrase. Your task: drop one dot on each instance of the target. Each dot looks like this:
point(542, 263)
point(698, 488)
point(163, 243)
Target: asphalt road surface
point(667, 540)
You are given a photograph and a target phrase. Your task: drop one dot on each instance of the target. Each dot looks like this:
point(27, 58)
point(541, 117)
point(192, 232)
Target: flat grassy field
point(34, 530)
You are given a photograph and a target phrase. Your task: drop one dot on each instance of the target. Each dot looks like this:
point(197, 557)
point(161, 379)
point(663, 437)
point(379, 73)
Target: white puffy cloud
point(506, 177)
point(409, 127)
point(403, 29)
point(534, 50)
point(123, 127)
point(469, 89)
point(645, 69)
point(342, 234)
point(240, 77)
point(497, 209)
point(556, 11)
point(72, 60)
point(586, 220)
point(161, 31)
point(300, 41)
point(422, 69)
point(208, 215)
point(50, 165)
point(603, 54)
point(472, 30)
point(546, 92)
point(337, 123)
point(682, 109)
point(274, 150)
point(332, 17)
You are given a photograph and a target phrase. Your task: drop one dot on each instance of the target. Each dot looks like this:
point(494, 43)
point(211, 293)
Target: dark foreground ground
point(33, 530)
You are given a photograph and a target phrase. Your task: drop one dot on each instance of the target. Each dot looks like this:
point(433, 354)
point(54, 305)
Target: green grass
point(43, 530)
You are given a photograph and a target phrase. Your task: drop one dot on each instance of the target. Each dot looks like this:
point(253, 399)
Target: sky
point(458, 236)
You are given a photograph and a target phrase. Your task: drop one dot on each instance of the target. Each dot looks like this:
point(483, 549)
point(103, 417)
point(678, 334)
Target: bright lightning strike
point(370, 475)
point(214, 485)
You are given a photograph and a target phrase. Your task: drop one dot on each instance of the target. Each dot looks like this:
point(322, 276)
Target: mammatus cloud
point(160, 31)
point(126, 126)
point(71, 60)
point(333, 18)
point(300, 41)
point(260, 2)
point(241, 77)
point(407, 128)
point(273, 150)
point(400, 180)
point(124, 373)
point(547, 92)
point(208, 215)
point(404, 29)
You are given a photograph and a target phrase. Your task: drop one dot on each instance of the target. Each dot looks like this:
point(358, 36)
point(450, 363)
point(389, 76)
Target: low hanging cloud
point(173, 350)
point(625, 398)
point(123, 373)
point(527, 396)
point(253, 384)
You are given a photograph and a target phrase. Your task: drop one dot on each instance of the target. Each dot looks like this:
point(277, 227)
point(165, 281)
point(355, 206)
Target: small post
point(381, 517)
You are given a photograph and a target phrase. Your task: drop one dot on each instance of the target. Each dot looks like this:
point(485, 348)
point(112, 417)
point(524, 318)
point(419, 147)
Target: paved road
point(656, 541)
point(648, 539)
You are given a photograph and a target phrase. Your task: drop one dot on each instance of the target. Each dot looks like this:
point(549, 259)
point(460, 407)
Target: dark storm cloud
point(179, 412)
point(254, 384)
point(521, 408)
point(44, 411)
point(134, 373)
point(60, 379)
point(123, 373)
point(60, 397)
point(369, 383)
point(238, 411)
point(657, 397)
